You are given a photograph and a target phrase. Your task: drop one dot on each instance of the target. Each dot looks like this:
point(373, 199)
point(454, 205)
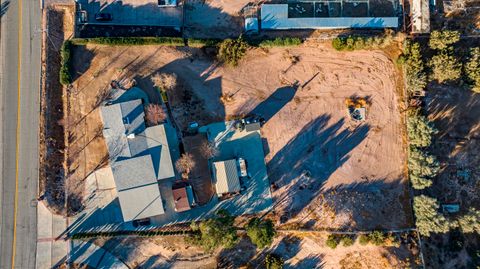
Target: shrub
point(232, 50)
point(130, 41)
point(360, 42)
point(347, 241)
point(363, 239)
point(273, 261)
point(470, 222)
point(280, 42)
point(377, 238)
point(332, 241)
point(445, 67)
point(215, 232)
point(65, 69)
point(428, 219)
point(260, 232)
point(440, 40)
point(472, 69)
point(196, 43)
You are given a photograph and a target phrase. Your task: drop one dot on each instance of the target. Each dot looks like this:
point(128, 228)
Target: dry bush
point(164, 81)
point(185, 164)
point(208, 149)
point(155, 114)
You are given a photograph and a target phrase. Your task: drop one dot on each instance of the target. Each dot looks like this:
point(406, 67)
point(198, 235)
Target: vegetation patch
point(130, 41)
point(65, 69)
point(352, 42)
point(231, 51)
point(215, 232)
point(261, 232)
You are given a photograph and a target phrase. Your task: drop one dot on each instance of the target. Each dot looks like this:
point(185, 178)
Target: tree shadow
point(275, 102)
point(308, 160)
point(238, 256)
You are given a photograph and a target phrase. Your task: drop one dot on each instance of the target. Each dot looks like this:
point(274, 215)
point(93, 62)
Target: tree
point(185, 164)
point(415, 74)
point(472, 69)
point(470, 222)
point(260, 232)
point(420, 130)
point(165, 81)
point(428, 219)
point(232, 50)
point(441, 40)
point(445, 67)
point(273, 261)
point(155, 114)
point(422, 168)
point(208, 149)
point(215, 232)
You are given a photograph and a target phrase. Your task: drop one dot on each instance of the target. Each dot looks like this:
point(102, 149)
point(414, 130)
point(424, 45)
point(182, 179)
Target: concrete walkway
point(52, 249)
point(86, 253)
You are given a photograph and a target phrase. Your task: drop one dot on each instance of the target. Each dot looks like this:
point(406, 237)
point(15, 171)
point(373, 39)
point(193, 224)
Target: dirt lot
point(215, 18)
point(299, 251)
point(316, 154)
point(456, 113)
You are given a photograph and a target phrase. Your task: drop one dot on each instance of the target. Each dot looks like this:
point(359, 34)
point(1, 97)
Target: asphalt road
point(20, 89)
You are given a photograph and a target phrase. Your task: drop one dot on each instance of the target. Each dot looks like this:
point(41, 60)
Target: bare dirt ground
point(158, 252)
point(321, 162)
point(215, 18)
point(456, 113)
point(302, 250)
point(58, 19)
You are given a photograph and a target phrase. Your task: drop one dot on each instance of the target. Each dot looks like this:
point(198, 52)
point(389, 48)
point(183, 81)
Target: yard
point(327, 170)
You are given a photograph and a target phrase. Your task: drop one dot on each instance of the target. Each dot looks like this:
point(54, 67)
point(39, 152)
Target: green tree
point(232, 50)
point(414, 68)
point(441, 40)
point(445, 67)
point(470, 222)
point(428, 219)
point(215, 232)
point(472, 69)
point(260, 232)
point(273, 261)
point(422, 168)
point(420, 130)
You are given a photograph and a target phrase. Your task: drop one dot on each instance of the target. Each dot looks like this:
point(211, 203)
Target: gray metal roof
point(275, 17)
point(133, 172)
point(141, 202)
point(226, 176)
point(157, 142)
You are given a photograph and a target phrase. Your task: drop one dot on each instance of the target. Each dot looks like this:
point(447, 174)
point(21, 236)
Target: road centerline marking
point(17, 134)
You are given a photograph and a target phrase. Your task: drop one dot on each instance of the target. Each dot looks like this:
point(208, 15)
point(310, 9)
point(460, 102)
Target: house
point(183, 197)
point(139, 157)
point(225, 176)
point(327, 15)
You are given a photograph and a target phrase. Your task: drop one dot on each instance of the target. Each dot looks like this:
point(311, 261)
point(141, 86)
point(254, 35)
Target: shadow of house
point(275, 102)
point(312, 261)
point(308, 160)
point(4, 7)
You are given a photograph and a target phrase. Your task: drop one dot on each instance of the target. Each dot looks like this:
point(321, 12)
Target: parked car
point(141, 222)
point(103, 17)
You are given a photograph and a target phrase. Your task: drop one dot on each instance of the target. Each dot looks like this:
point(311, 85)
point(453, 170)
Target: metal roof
point(141, 202)
point(275, 17)
point(226, 176)
point(180, 199)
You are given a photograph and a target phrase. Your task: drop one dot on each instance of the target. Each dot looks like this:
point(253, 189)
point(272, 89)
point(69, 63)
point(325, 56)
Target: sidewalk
point(50, 250)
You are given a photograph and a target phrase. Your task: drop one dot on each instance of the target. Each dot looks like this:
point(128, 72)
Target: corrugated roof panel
point(275, 17)
point(226, 176)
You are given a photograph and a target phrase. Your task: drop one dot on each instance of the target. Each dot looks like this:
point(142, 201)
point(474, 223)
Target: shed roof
point(180, 199)
point(226, 176)
point(275, 17)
